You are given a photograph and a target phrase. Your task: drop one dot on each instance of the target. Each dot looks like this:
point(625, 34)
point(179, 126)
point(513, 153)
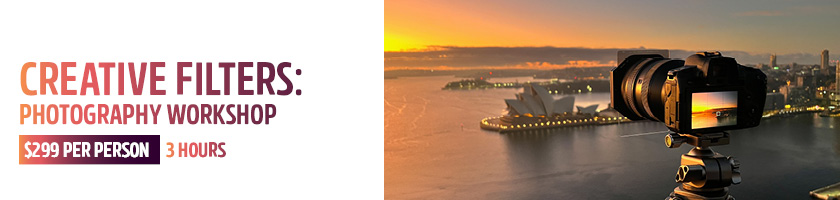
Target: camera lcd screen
point(714, 109)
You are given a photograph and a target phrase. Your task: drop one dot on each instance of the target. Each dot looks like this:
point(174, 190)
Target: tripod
point(704, 174)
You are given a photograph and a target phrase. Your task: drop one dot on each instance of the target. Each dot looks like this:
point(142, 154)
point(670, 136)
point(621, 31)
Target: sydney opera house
point(536, 108)
point(536, 101)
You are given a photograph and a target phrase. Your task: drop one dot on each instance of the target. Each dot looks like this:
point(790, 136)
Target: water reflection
point(837, 145)
point(789, 154)
point(591, 162)
point(429, 156)
point(711, 119)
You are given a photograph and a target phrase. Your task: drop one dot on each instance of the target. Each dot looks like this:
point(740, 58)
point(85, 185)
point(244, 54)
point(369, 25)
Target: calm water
point(710, 119)
point(434, 149)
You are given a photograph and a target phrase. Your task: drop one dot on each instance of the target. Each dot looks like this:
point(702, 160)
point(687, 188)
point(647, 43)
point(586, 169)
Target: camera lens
point(640, 80)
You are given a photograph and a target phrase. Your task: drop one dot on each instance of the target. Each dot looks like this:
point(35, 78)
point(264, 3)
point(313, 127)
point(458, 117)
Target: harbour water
point(434, 149)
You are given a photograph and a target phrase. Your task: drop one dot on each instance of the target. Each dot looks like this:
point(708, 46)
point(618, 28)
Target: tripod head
point(674, 140)
point(697, 99)
point(703, 173)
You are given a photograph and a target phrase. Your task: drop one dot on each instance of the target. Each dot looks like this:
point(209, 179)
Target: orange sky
point(417, 24)
point(713, 100)
point(752, 25)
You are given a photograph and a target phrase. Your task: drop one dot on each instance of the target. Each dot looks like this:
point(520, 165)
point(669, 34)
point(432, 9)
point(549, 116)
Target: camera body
point(706, 93)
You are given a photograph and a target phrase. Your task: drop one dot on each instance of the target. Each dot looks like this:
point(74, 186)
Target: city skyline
point(547, 58)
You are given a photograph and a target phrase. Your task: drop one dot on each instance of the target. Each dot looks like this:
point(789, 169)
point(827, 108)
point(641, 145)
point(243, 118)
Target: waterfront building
point(824, 61)
point(774, 101)
point(591, 110)
point(536, 108)
point(536, 101)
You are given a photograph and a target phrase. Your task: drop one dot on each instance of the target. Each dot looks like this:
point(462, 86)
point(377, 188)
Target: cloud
point(762, 13)
point(525, 65)
point(459, 58)
point(455, 56)
point(794, 10)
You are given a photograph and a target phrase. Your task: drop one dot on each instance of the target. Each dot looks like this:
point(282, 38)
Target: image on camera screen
point(714, 109)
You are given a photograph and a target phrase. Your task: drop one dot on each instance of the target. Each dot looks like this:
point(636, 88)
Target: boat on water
point(830, 113)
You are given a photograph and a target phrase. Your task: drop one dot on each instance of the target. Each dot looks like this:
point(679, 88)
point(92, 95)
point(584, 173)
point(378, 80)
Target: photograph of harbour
point(714, 109)
point(512, 99)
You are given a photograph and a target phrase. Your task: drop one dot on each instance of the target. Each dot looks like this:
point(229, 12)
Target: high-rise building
point(760, 66)
point(824, 61)
point(837, 78)
point(773, 61)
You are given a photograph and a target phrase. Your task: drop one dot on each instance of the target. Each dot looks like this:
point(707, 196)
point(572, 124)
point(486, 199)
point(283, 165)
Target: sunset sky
point(713, 100)
point(751, 26)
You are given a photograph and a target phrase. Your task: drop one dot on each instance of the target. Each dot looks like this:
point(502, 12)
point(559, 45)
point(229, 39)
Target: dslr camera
point(705, 93)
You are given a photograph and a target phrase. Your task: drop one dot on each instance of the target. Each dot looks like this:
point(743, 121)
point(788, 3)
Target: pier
point(504, 124)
